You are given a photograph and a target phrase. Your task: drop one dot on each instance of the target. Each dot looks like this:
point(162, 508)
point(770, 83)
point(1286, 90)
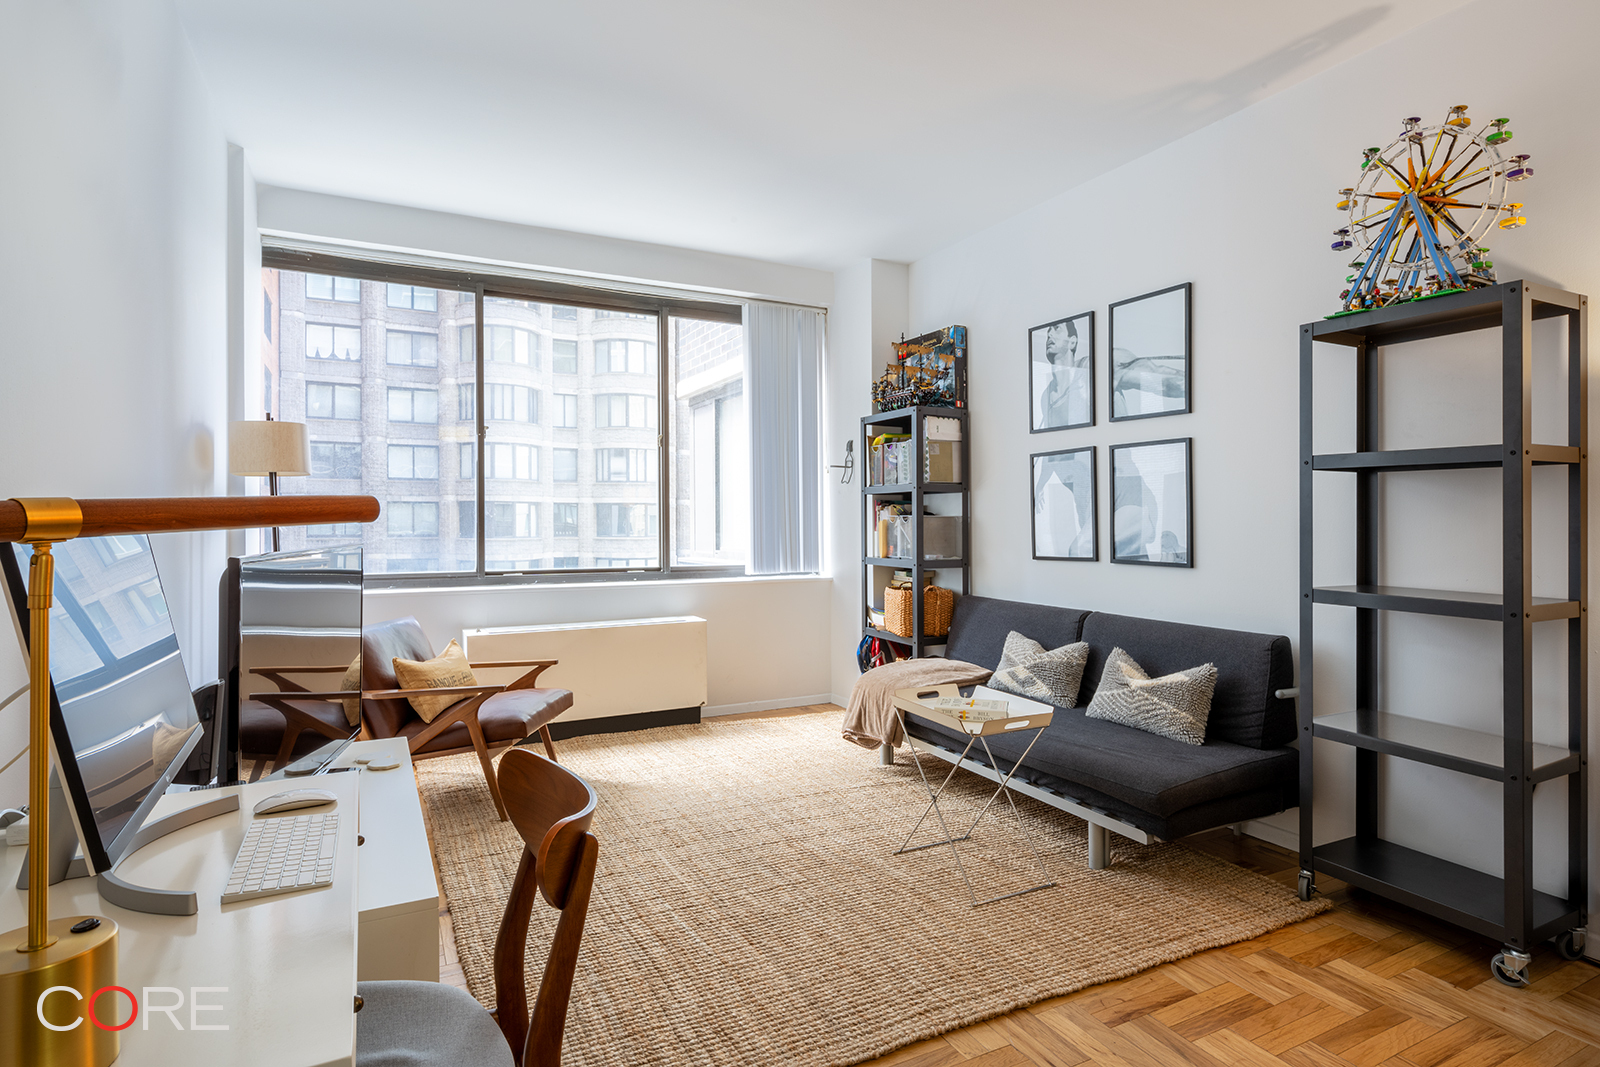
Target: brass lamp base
point(83, 963)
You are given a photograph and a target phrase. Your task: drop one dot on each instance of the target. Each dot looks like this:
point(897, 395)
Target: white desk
point(288, 963)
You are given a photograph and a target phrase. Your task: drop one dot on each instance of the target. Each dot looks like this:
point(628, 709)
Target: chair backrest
point(551, 808)
point(380, 645)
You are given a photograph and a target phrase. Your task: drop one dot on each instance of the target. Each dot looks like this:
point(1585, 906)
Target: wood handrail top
point(135, 515)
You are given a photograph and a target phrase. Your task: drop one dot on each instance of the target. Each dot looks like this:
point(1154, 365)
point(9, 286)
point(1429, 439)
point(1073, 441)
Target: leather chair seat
point(506, 718)
point(261, 727)
point(418, 1024)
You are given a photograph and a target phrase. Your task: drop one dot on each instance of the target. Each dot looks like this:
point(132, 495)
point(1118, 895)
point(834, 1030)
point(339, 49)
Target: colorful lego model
point(930, 370)
point(1411, 227)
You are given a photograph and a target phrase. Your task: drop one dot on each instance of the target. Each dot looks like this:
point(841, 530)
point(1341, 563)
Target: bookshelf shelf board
point(898, 415)
point(1440, 459)
point(906, 563)
point(928, 488)
point(1438, 744)
point(1476, 309)
point(927, 639)
point(1437, 887)
point(1464, 605)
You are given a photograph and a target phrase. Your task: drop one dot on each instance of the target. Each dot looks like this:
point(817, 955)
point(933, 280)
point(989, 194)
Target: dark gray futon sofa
point(1140, 785)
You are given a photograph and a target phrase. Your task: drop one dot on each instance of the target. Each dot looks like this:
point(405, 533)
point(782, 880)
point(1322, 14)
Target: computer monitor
point(122, 717)
point(283, 609)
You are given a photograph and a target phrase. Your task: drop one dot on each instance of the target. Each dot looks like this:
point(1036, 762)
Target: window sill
point(378, 585)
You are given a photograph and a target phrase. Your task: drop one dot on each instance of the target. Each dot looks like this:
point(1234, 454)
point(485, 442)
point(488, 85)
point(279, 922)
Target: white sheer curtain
point(783, 388)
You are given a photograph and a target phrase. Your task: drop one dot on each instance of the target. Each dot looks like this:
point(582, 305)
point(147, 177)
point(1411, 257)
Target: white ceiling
point(807, 133)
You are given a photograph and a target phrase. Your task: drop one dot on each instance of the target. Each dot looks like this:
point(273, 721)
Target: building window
point(614, 562)
point(562, 311)
point(322, 287)
point(513, 403)
point(467, 452)
point(564, 519)
point(624, 357)
point(564, 464)
point(414, 461)
point(266, 314)
point(325, 400)
point(266, 390)
point(467, 402)
point(333, 342)
point(413, 296)
point(625, 520)
point(519, 462)
point(508, 344)
point(503, 518)
point(335, 529)
point(407, 349)
point(469, 343)
point(413, 405)
point(413, 518)
point(709, 443)
point(625, 465)
point(602, 313)
point(624, 409)
point(566, 411)
point(335, 460)
point(466, 518)
point(564, 357)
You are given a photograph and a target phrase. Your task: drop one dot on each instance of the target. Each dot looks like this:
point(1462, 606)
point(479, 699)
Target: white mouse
point(291, 799)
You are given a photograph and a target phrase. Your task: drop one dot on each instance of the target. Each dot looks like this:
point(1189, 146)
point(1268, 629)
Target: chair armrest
point(340, 694)
point(450, 690)
point(516, 663)
point(341, 667)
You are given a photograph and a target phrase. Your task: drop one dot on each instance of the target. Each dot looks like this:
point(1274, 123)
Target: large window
point(325, 341)
point(325, 400)
point(596, 423)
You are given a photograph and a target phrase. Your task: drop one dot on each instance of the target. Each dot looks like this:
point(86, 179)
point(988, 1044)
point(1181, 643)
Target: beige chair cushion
point(351, 682)
point(448, 668)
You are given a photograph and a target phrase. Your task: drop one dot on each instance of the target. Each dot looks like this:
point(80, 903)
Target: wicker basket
point(938, 605)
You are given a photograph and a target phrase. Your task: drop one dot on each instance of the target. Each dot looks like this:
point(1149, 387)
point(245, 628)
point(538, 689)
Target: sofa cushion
point(1147, 772)
point(1029, 669)
point(1175, 705)
point(1250, 667)
point(979, 627)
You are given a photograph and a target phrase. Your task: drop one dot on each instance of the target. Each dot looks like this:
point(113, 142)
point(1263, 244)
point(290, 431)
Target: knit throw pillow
point(351, 683)
point(448, 668)
point(1029, 670)
point(1174, 705)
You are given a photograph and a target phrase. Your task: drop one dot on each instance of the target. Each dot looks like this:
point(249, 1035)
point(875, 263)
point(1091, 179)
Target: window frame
point(486, 284)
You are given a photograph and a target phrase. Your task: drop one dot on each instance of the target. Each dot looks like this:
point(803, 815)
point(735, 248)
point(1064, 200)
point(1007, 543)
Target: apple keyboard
point(283, 854)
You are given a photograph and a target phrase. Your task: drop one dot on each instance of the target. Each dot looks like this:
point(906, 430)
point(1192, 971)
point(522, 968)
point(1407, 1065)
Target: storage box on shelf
point(1507, 908)
point(922, 454)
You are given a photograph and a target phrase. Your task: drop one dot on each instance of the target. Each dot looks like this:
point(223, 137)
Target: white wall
point(296, 211)
point(112, 273)
point(1245, 211)
point(767, 639)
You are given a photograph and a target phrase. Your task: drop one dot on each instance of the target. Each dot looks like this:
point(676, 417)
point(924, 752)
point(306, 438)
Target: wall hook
point(849, 464)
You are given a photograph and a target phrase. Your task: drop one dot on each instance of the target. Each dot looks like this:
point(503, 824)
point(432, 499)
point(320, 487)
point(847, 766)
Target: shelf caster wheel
point(1511, 968)
point(1571, 944)
point(1308, 885)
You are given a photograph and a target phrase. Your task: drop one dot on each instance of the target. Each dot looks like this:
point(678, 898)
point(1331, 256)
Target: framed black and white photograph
point(1152, 513)
point(1150, 355)
point(1065, 524)
point(1061, 373)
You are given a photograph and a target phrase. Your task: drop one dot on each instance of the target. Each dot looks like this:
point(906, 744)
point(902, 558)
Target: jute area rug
point(748, 907)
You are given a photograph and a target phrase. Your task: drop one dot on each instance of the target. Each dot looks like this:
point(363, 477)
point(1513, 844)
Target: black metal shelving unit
point(1506, 908)
point(910, 420)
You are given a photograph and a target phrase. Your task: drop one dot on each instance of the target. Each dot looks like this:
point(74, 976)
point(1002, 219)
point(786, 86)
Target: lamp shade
point(262, 448)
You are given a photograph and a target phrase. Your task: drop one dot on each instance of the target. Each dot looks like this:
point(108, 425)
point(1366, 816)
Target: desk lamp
point(268, 449)
point(80, 951)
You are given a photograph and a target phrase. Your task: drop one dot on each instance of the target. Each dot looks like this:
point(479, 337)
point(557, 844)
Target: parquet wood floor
point(1368, 984)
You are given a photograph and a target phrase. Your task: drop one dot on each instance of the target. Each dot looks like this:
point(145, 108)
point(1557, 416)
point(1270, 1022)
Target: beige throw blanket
point(870, 720)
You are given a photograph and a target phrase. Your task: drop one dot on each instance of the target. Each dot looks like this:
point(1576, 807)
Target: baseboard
point(562, 729)
point(712, 710)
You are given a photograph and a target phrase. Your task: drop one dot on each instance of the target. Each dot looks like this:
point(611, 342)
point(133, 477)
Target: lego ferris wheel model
point(1421, 208)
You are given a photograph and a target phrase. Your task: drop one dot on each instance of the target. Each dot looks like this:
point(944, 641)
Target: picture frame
point(1151, 372)
point(1064, 504)
point(1061, 374)
point(1150, 524)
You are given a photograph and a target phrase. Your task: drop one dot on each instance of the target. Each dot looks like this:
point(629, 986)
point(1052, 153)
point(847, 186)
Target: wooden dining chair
point(275, 728)
point(412, 1024)
point(485, 718)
